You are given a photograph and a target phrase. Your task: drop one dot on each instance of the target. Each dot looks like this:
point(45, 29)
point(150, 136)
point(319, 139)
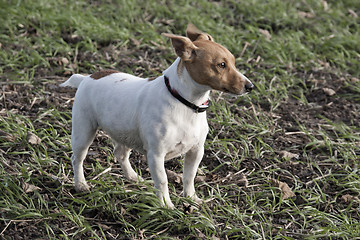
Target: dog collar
point(197, 109)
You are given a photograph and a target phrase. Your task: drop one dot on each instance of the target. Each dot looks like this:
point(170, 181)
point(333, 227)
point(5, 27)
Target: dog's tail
point(74, 81)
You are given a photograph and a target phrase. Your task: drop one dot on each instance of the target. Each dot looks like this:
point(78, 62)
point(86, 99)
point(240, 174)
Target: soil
point(31, 100)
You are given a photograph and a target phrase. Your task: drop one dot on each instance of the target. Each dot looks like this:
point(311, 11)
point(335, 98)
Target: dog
point(161, 118)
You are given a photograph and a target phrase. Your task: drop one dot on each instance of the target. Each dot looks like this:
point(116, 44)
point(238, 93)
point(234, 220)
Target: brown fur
point(209, 55)
point(103, 73)
point(217, 64)
point(151, 78)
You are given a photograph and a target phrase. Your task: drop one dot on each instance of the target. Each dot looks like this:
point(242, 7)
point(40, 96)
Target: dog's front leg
point(191, 163)
point(158, 174)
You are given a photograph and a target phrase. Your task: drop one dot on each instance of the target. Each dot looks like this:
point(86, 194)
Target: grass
point(291, 50)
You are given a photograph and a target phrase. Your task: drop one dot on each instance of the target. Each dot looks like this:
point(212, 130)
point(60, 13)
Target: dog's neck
point(181, 81)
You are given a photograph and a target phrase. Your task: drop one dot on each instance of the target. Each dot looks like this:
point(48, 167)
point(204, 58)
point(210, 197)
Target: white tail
point(74, 81)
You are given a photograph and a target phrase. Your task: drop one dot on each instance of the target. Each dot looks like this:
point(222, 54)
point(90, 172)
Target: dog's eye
point(222, 65)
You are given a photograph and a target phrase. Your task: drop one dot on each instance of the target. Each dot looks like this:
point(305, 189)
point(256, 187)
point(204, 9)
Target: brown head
point(208, 62)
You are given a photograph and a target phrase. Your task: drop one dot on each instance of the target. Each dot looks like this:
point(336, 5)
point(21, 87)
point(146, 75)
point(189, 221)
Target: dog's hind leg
point(121, 154)
point(82, 135)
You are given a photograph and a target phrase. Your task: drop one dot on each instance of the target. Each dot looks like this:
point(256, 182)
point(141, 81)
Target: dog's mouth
point(232, 91)
point(226, 90)
point(234, 94)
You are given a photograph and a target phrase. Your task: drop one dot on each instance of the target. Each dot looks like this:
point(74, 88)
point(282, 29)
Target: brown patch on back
point(151, 78)
point(103, 73)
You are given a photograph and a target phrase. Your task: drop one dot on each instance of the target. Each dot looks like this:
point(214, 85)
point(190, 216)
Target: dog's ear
point(195, 34)
point(183, 46)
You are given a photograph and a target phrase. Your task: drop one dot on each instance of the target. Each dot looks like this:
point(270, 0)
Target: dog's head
point(208, 62)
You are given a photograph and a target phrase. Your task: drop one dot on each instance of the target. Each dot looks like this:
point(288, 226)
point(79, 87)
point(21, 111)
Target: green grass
point(310, 45)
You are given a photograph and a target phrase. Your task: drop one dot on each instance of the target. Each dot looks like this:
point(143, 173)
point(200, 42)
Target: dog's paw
point(196, 199)
point(168, 205)
point(82, 187)
point(134, 177)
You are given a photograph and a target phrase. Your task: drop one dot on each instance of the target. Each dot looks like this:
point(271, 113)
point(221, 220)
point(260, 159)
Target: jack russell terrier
point(161, 118)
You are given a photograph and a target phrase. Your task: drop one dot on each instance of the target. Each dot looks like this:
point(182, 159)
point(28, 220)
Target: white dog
point(161, 118)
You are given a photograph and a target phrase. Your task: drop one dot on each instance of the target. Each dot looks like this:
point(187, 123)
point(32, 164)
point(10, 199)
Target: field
point(280, 163)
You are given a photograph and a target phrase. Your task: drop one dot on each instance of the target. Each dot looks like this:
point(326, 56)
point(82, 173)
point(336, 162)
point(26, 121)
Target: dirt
point(31, 100)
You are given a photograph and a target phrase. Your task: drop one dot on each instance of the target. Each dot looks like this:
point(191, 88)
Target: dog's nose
point(249, 86)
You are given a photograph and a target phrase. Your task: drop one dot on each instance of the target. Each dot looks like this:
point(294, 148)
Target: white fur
point(142, 115)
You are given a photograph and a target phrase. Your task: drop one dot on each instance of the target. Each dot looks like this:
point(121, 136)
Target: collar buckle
point(201, 108)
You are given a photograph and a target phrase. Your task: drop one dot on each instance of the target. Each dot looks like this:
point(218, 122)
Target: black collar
point(197, 109)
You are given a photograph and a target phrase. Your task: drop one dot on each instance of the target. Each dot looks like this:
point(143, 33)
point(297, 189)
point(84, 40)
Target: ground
point(280, 163)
